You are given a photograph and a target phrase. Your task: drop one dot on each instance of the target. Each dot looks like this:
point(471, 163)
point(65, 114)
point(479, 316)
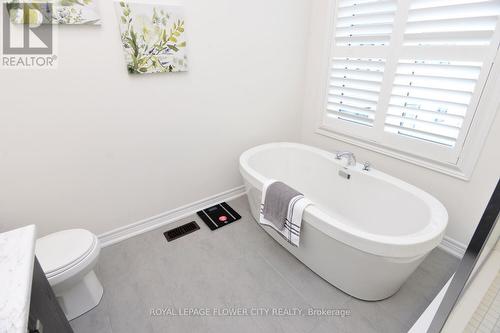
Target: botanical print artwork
point(153, 37)
point(76, 12)
point(55, 11)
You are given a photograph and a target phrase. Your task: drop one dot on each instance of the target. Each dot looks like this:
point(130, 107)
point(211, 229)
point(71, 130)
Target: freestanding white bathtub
point(364, 235)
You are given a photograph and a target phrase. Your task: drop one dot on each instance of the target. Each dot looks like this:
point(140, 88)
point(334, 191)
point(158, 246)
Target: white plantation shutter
point(355, 82)
point(451, 22)
point(354, 89)
point(364, 22)
point(429, 99)
point(409, 74)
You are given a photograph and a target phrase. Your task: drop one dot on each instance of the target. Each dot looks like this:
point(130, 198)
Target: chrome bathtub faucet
point(351, 159)
point(366, 166)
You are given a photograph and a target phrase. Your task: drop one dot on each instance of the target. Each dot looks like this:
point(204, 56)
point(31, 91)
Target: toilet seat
point(61, 251)
point(68, 259)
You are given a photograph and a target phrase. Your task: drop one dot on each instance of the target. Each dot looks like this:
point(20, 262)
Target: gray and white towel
point(282, 208)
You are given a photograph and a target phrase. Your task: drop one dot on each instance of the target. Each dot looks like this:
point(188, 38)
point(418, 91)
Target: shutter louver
point(451, 22)
point(364, 22)
point(354, 89)
point(430, 99)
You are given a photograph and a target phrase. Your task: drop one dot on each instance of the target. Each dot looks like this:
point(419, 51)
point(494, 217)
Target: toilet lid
point(63, 248)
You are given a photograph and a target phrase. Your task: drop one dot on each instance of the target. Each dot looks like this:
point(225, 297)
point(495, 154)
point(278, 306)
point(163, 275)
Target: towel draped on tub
point(282, 208)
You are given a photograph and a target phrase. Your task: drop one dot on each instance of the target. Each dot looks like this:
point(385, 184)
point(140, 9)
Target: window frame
point(460, 162)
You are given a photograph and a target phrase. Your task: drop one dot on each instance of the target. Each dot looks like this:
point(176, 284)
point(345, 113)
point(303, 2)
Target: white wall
point(88, 145)
point(465, 201)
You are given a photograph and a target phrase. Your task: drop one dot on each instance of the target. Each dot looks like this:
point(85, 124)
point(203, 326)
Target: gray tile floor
point(239, 266)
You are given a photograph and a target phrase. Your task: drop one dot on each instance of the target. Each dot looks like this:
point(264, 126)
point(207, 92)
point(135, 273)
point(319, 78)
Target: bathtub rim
point(401, 246)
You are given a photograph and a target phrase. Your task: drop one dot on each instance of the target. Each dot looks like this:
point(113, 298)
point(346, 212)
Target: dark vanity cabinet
point(46, 316)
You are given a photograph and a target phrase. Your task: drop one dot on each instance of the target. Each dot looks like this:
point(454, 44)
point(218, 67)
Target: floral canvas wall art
point(76, 12)
point(55, 11)
point(153, 37)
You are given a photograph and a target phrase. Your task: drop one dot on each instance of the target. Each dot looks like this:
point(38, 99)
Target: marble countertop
point(17, 254)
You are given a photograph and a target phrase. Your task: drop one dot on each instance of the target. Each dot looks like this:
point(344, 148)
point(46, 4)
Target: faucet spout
point(351, 158)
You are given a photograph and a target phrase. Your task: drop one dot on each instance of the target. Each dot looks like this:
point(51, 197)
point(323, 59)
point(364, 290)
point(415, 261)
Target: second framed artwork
point(64, 12)
point(153, 37)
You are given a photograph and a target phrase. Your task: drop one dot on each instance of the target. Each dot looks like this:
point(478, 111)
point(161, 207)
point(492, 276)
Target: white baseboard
point(453, 247)
point(137, 228)
point(449, 245)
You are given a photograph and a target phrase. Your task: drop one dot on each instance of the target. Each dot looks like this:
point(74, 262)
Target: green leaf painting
point(60, 11)
point(153, 37)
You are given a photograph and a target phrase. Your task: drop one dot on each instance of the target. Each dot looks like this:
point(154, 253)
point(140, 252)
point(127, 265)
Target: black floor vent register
point(183, 230)
point(218, 216)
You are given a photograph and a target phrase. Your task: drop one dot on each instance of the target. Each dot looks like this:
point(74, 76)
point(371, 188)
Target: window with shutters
point(409, 75)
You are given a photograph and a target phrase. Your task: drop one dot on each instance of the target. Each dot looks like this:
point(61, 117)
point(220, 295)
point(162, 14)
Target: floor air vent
point(183, 230)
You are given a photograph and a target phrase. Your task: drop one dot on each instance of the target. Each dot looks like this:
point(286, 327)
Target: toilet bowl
point(68, 258)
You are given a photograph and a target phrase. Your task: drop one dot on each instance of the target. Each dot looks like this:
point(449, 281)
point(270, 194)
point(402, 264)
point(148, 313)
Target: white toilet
point(68, 258)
